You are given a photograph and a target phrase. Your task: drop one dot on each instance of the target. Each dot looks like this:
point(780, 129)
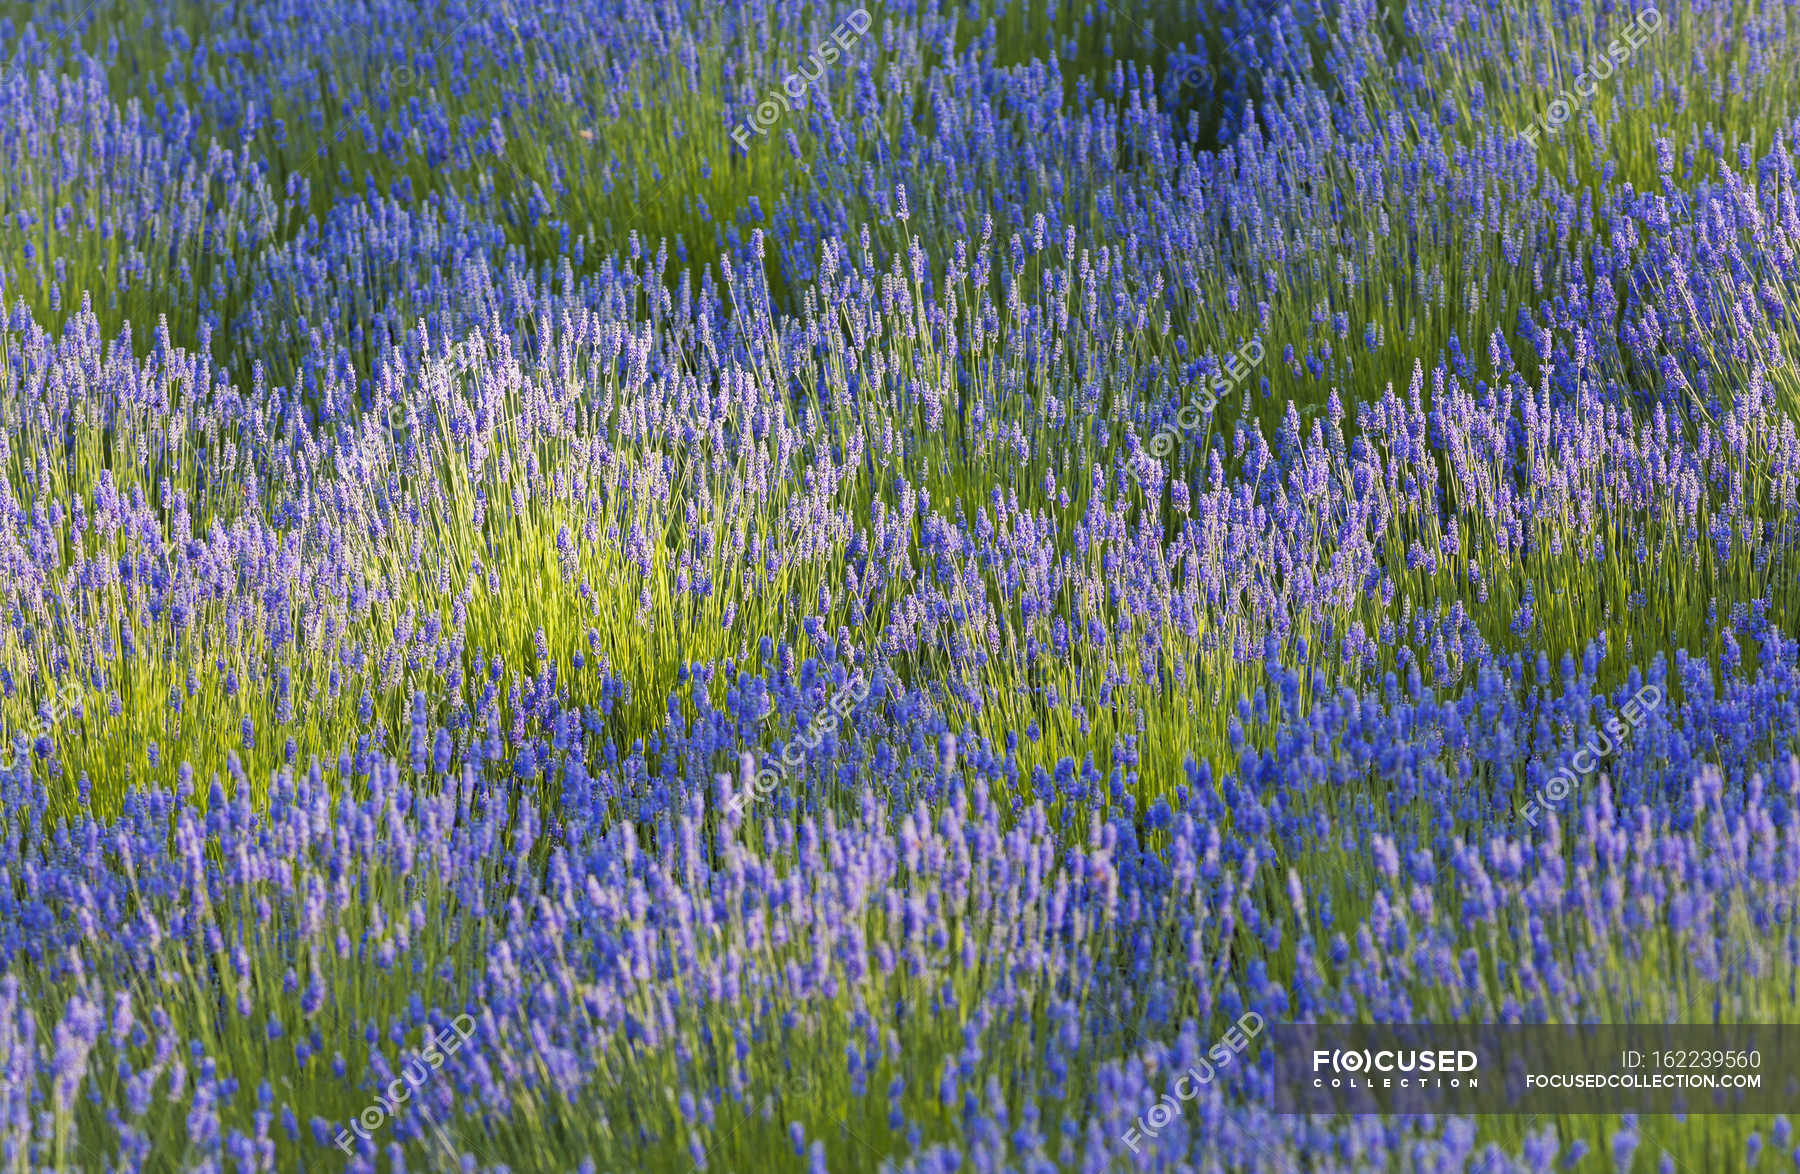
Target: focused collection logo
point(1367, 1068)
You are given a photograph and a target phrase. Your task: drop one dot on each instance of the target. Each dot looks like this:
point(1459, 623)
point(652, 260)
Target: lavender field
point(741, 586)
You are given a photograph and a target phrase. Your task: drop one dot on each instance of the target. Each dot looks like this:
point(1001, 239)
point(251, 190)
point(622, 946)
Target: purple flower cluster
point(881, 648)
point(627, 961)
